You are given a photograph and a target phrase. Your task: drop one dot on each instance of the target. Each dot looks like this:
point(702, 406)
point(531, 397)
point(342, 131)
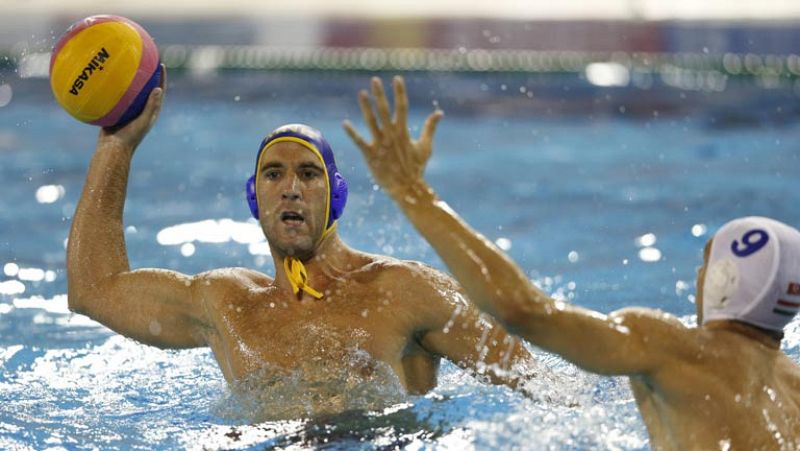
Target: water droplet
point(155, 328)
point(571, 285)
point(650, 255)
point(573, 256)
point(503, 243)
point(699, 230)
point(49, 194)
point(646, 240)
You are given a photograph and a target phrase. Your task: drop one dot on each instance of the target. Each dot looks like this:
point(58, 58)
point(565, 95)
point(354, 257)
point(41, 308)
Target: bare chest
point(354, 328)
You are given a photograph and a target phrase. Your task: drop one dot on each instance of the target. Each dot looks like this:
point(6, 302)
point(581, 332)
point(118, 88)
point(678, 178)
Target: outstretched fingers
point(381, 102)
point(430, 127)
point(369, 115)
point(360, 142)
point(401, 106)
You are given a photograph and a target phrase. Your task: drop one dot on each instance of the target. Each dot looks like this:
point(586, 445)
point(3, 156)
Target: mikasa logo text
point(95, 64)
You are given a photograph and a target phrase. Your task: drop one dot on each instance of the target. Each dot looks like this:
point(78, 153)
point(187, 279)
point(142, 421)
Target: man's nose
point(291, 190)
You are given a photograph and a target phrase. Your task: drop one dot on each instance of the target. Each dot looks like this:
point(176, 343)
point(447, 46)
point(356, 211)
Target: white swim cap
point(753, 273)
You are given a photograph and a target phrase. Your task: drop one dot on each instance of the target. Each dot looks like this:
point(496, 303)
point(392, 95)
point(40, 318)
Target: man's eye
point(309, 174)
point(272, 174)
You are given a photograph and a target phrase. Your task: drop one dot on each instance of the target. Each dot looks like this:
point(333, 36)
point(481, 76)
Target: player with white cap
point(722, 385)
point(753, 274)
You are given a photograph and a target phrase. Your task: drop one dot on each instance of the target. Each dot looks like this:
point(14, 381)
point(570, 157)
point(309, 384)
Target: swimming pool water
point(605, 196)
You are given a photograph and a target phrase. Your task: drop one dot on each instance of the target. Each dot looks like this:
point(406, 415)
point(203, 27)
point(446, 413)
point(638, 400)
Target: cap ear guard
point(338, 197)
point(250, 192)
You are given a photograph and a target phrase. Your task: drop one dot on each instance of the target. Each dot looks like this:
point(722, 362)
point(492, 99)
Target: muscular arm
point(623, 342)
point(152, 306)
point(456, 330)
point(626, 342)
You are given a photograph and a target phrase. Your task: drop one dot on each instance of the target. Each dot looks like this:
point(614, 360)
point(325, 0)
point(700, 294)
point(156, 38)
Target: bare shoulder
point(414, 275)
point(418, 287)
point(641, 317)
point(243, 278)
point(662, 332)
point(647, 322)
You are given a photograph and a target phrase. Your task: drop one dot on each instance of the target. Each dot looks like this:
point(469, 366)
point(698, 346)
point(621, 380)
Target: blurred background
point(687, 45)
point(729, 36)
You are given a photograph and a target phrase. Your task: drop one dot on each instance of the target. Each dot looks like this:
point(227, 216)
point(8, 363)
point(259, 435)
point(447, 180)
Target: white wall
point(522, 9)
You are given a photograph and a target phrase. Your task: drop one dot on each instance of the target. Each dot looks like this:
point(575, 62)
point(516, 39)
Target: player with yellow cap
point(329, 309)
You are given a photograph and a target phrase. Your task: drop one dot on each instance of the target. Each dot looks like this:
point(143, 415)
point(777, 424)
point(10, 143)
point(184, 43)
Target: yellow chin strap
point(296, 271)
point(297, 275)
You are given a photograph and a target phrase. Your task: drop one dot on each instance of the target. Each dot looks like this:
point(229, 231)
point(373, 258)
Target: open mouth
point(292, 217)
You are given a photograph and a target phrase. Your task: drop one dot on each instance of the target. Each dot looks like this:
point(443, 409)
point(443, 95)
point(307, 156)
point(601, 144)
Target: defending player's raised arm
point(616, 344)
point(154, 306)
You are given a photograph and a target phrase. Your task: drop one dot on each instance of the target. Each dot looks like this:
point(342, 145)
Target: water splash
point(99, 389)
point(316, 387)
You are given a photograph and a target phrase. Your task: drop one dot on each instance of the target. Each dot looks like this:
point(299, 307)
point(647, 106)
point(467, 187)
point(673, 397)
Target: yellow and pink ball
point(103, 69)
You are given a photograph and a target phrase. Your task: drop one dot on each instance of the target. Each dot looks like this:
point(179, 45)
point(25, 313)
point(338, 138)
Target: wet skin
point(723, 385)
point(401, 313)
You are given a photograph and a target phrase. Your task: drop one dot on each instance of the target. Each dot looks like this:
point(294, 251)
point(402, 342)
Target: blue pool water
point(605, 196)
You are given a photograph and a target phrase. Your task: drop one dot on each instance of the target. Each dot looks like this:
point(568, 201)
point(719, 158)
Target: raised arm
point(153, 306)
point(619, 343)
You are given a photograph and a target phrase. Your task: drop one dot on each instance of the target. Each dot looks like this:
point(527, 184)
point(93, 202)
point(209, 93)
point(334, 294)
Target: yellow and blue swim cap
point(313, 140)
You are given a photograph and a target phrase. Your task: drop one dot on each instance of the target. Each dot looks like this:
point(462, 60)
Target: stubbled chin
point(294, 244)
point(296, 234)
point(297, 241)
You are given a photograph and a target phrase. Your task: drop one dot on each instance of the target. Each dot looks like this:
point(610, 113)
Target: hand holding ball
point(103, 69)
